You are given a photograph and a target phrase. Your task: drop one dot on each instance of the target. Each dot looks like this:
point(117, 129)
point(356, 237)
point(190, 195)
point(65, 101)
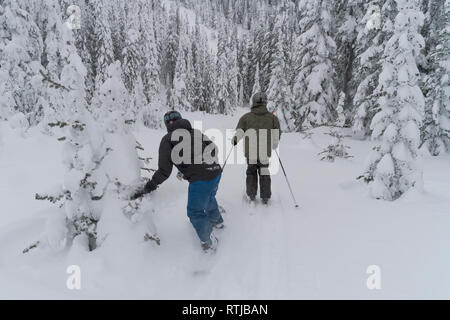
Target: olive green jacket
point(258, 118)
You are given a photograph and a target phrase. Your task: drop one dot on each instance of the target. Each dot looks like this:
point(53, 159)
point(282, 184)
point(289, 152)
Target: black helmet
point(171, 117)
point(259, 98)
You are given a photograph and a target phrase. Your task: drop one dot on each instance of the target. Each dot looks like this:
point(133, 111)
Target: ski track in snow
point(320, 250)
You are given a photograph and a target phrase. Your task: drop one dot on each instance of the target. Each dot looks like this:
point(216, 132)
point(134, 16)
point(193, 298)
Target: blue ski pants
point(202, 208)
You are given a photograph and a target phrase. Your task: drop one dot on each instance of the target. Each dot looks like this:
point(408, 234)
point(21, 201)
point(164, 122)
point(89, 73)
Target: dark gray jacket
point(191, 171)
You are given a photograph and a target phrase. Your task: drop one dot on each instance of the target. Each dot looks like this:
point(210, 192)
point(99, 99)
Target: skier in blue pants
point(203, 176)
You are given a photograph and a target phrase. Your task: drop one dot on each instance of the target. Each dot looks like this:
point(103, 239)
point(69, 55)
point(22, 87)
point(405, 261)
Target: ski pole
point(285, 175)
point(229, 154)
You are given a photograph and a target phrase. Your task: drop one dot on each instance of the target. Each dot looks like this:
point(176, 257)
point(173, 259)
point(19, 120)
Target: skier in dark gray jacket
point(200, 168)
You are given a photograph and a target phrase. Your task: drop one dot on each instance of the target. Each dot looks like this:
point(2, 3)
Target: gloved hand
point(234, 141)
point(137, 195)
point(149, 188)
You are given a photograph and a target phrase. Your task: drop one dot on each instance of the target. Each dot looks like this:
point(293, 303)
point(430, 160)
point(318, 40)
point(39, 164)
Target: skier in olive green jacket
point(262, 133)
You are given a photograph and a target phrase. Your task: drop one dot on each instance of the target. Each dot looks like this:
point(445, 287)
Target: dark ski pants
point(202, 209)
point(253, 170)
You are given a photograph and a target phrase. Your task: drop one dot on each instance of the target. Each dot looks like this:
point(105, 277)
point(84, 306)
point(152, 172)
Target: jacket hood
point(259, 109)
point(179, 124)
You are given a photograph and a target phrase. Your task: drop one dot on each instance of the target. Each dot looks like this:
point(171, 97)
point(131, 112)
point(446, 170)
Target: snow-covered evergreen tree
point(181, 77)
point(248, 68)
point(112, 96)
point(232, 75)
point(102, 170)
point(197, 91)
point(314, 89)
point(226, 75)
point(21, 48)
point(268, 50)
point(151, 70)
point(132, 60)
point(436, 126)
point(171, 42)
point(393, 167)
point(96, 43)
point(53, 36)
point(63, 67)
point(221, 97)
point(256, 84)
point(279, 93)
point(347, 14)
point(117, 22)
point(209, 85)
point(370, 43)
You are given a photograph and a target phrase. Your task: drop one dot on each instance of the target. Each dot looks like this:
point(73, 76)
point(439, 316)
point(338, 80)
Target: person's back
point(263, 123)
point(200, 164)
point(255, 127)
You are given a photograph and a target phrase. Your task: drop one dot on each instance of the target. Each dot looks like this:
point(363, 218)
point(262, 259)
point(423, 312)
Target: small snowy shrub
point(336, 149)
point(306, 134)
point(85, 183)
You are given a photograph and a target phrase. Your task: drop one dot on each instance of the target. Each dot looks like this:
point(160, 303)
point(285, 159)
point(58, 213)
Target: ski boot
point(210, 246)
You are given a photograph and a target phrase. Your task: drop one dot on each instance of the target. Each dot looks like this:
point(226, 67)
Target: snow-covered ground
point(320, 250)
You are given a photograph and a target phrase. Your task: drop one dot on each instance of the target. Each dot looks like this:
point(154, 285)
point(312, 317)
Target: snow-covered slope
point(321, 250)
